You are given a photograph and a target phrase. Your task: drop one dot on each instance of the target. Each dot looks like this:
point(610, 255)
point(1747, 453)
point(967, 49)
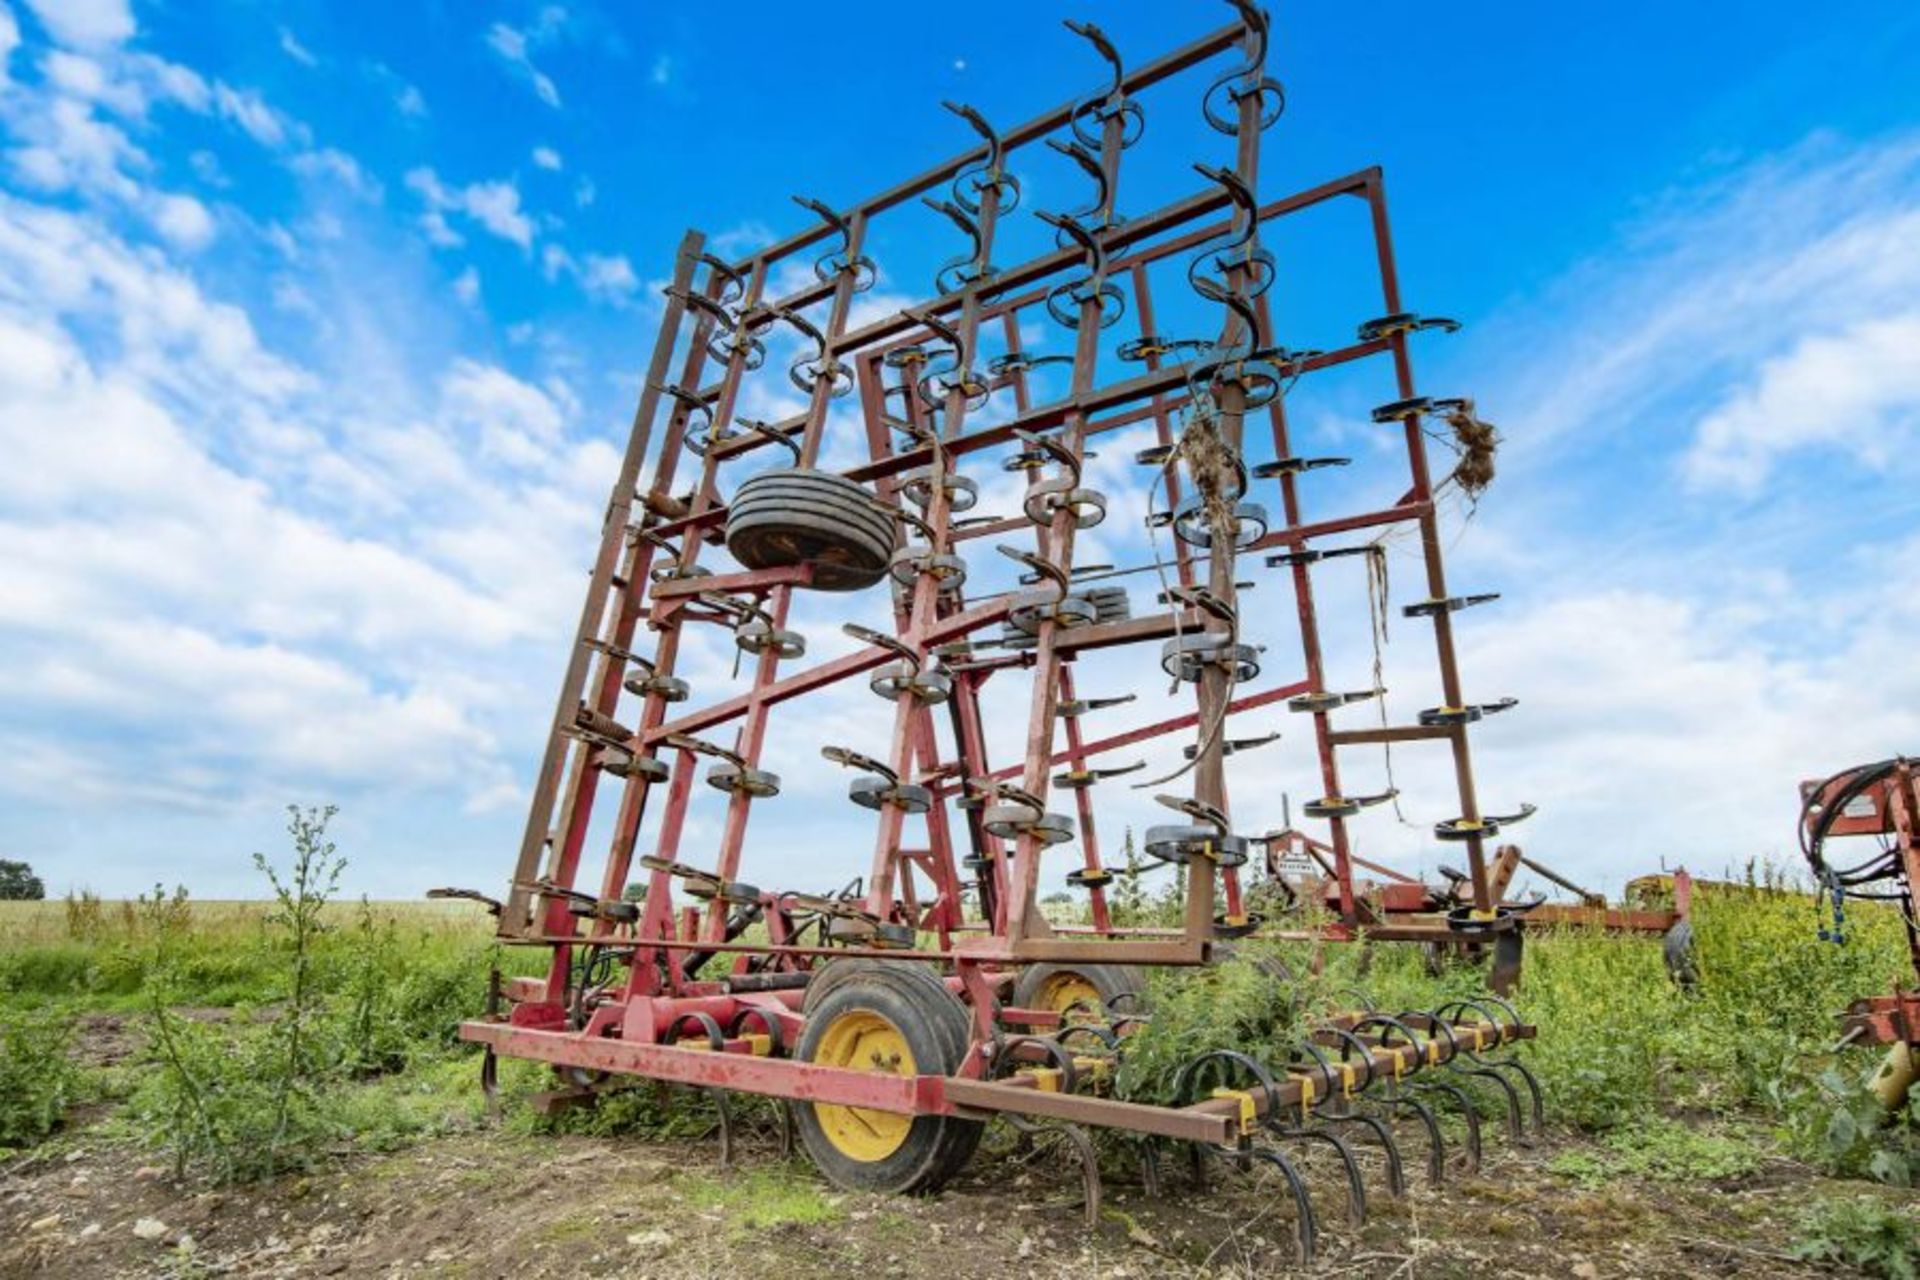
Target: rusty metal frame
point(648, 576)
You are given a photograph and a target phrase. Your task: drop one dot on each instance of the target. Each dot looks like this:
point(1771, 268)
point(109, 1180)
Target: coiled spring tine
point(1309, 1230)
point(1468, 1112)
point(1356, 1185)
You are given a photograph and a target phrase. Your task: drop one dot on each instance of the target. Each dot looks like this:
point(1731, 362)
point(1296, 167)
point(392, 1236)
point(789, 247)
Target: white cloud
point(466, 286)
point(337, 169)
point(1857, 390)
point(512, 46)
point(85, 24)
point(494, 205)
point(410, 102)
point(291, 46)
point(9, 39)
point(584, 192)
point(250, 112)
point(546, 158)
point(609, 277)
point(184, 221)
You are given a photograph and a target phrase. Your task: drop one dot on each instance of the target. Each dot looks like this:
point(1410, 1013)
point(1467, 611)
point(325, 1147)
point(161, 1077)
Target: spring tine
point(1083, 1151)
point(1396, 1172)
point(1150, 1168)
point(1309, 1230)
point(1436, 1144)
point(1515, 1133)
point(1468, 1112)
point(1356, 1185)
point(1537, 1106)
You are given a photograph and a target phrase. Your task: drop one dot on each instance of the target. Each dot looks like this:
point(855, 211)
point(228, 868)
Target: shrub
point(38, 1080)
point(250, 1103)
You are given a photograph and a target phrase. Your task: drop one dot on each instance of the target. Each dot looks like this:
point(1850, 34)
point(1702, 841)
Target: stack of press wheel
point(896, 1017)
point(797, 515)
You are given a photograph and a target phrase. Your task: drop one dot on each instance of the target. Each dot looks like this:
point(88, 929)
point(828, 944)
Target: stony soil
point(492, 1203)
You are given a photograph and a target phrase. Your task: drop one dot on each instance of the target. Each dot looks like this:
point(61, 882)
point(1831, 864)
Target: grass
point(1699, 1084)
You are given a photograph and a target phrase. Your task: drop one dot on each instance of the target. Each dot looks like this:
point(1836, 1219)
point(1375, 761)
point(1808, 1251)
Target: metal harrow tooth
point(759, 635)
point(916, 486)
point(624, 764)
point(878, 792)
point(1201, 598)
point(1080, 706)
point(1186, 657)
point(1081, 779)
point(666, 688)
point(708, 882)
point(1192, 750)
point(1448, 604)
point(911, 563)
point(1031, 609)
point(1193, 523)
point(664, 573)
point(611, 910)
point(1437, 716)
point(929, 687)
point(1344, 806)
point(1485, 825)
point(1148, 347)
point(1294, 466)
point(1412, 407)
point(737, 779)
point(1242, 925)
point(1088, 507)
point(1311, 555)
point(1327, 701)
point(1181, 844)
point(1012, 819)
point(1403, 322)
point(1197, 809)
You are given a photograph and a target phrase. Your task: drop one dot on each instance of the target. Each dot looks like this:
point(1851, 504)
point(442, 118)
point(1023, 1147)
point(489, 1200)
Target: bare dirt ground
point(491, 1203)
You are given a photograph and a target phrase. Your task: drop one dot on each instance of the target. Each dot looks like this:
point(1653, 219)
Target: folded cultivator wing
point(894, 1016)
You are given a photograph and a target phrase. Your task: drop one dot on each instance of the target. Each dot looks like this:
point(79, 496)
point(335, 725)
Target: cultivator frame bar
point(630, 989)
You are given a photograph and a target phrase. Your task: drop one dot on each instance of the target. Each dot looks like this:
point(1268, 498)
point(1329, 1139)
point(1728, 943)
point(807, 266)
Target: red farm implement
point(894, 1017)
point(1881, 801)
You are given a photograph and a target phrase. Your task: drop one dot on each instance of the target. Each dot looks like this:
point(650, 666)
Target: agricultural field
point(275, 1088)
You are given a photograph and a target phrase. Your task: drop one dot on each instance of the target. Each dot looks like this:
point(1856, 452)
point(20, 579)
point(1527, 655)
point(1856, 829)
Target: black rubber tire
point(834, 506)
point(821, 490)
point(794, 516)
point(935, 1025)
point(1123, 982)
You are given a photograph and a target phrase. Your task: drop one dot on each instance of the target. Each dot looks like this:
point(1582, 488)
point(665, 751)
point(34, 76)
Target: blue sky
point(320, 326)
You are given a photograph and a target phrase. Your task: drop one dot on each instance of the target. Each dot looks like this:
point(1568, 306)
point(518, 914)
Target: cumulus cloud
point(184, 221)
point(86, 24)
point(1857, 390)
point(494, 205)
point(546, 158)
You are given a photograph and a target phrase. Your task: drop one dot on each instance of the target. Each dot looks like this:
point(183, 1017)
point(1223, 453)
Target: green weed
point(1877, 1238)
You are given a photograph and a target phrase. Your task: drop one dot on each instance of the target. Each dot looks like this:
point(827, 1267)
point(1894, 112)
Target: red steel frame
point(652, 542)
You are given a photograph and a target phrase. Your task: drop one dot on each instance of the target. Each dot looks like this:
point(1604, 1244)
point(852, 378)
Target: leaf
point(1842, 1132)
point(1890, 1167)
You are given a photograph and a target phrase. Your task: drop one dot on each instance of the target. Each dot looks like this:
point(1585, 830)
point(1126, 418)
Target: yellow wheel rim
point(1063, 991)
point(860, 1040)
